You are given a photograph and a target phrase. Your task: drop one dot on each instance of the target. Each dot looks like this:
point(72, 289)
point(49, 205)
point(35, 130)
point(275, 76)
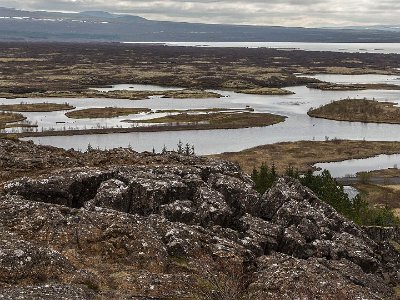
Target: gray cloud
point(307, 13)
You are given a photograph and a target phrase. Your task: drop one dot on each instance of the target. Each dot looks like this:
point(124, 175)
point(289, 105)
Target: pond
point(349, 168)
point(352, 192)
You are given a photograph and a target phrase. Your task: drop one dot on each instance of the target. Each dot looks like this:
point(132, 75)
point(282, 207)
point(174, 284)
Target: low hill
point(107, 27)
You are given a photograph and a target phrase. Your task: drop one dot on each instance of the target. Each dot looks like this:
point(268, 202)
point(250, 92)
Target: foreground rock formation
point(147, 226)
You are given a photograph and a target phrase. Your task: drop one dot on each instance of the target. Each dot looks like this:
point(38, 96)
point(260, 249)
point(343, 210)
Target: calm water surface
point(331, 47)
point(349, 168)
point(298, 125)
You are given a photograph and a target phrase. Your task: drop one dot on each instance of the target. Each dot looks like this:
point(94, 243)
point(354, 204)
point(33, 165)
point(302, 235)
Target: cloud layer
point(308, 13)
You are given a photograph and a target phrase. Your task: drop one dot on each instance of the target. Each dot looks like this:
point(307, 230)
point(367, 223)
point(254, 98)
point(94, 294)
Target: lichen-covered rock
point(212, 208)
point(239, 194)
point(180, 211)
point(381, 234)
point(72, 188)
point(112, 194)
point(48, 292)
point(282, 277)
point(264, 236)
point(24, 262)
point(162, 226)
point(315, 229)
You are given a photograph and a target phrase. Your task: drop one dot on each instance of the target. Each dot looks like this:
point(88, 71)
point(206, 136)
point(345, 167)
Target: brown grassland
point(49, 68)
point(219, 120)
point(326, 86)
point(36, 107)
point(8, 117)
point(358, 110)
point(303, 155)
point(106, 112)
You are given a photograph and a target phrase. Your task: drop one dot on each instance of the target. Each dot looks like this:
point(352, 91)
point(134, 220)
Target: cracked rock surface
point(150, 226)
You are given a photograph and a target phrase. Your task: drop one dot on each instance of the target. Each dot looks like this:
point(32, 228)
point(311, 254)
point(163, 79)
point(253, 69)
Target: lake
point(385, 48)
point(298, 126)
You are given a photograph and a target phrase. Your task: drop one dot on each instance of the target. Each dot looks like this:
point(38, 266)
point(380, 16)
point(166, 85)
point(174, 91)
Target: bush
point(221, 280)
point(330, 191)
point(365, 177)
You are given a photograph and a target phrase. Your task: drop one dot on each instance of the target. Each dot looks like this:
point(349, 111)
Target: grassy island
point(189, 94)
point(106, 112)
point(358, 110)
point(36, 107)
point(326, 86)
point(179, 122)
point(8, 117)
point(267, 91)
point(205, 110)
point(124, 94)
point(218, 120)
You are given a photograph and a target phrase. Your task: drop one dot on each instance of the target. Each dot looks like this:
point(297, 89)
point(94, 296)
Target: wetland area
point(248, 105)
point(199, 170)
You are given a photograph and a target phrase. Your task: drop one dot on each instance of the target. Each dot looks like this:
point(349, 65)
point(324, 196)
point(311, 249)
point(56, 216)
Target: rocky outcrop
point(48, 292)
point(175, 226)
point(381, 234)
point(278, 275)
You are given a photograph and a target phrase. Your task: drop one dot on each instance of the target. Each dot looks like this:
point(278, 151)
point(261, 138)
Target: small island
point(267, 91)
point(217, 120)
point(189, 94)
point(327, 86)
point(36, 107)
point(358, 110)
point(205, 110)
point(106, 112)
point(123, 94)
point(8, 117)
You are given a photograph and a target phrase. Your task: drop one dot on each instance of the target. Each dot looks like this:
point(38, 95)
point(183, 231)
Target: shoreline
point(303, 155)
point(156, 128)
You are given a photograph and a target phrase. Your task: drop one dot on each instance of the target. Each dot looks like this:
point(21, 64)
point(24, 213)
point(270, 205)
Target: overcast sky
point(308, 13)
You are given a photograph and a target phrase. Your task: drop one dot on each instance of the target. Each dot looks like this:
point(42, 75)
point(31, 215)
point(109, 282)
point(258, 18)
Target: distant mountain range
point(18, 25)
